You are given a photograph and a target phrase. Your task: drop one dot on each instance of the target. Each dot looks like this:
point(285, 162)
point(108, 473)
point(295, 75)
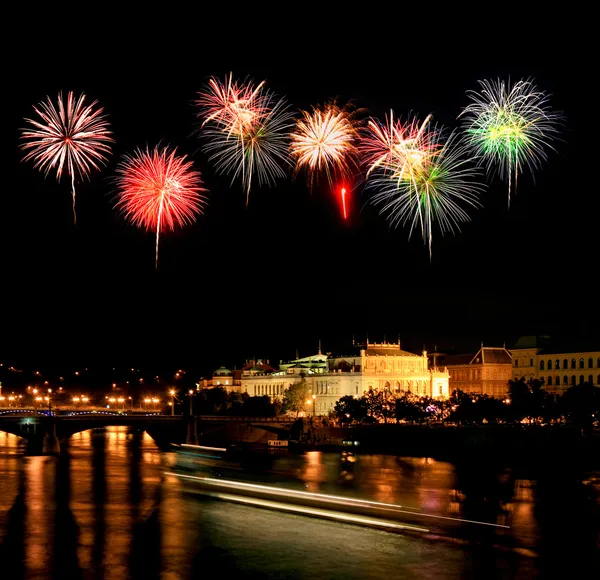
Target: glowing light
point(325, 142)
point(246, 130)
point(509, 127)
point(67, 135)
point(159, 190)
point(421, 179)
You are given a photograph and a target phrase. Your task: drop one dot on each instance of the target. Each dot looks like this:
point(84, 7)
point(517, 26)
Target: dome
point(222, 371)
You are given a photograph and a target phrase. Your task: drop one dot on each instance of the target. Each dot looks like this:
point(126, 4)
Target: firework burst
point(325, 141)
point(424, 182)
point(69, 135)
point(510, 128)
point(246, 128)
point(159, 190)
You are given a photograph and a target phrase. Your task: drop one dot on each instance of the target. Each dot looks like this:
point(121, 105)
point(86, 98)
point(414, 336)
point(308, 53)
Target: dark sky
point(287, 271)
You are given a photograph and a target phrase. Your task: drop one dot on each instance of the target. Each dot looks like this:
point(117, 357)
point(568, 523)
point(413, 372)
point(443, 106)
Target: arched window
point(590, 363)
point(557, 364)
point(565, 364)
point(598, 382)
point(573, 380)
point(556, 380)
point(549, 365)
point(598, 363)
point(542, 380)
point(565, 380)
point(542, 364)
point(581, 379)
point(573, 363)
point(581, 363)
point(591, 380)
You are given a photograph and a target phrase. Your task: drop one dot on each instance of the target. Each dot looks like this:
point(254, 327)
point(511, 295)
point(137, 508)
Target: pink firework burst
point(159, 190)
point(69, 135)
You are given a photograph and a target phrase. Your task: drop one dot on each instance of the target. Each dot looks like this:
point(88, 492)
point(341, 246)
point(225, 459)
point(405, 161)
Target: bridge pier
point(192, 435)
point(51, 446)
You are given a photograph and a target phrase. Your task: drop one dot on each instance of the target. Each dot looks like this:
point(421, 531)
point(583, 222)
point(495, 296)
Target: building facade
point(485, 372)
point(557, 366)
point(327, 378)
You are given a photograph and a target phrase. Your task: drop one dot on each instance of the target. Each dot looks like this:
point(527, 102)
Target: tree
point(581, 404)
point(348, 410)
point(381, 404)
point(294, 397)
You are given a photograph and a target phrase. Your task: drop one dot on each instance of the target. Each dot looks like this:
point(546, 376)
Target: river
point(107, 508)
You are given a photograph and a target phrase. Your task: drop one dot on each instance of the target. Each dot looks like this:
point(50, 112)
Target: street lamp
point(172, 393)
point(314, 398)
point(191, 394)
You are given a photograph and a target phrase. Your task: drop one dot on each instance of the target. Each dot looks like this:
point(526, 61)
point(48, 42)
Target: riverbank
point(515, 444)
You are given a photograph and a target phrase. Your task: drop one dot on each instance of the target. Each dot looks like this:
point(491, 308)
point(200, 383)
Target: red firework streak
point(344, 209)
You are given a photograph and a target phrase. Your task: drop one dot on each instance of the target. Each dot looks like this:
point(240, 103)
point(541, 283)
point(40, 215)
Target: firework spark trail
point(159, 190)
point(325, 141)
point(430, 192)
point(509, 127)
point(246, 128)
point(72, 135)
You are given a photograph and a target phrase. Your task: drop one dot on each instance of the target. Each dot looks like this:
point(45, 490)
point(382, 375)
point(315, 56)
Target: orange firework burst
point(67, 135)
point(324, 141)
point(159, 190)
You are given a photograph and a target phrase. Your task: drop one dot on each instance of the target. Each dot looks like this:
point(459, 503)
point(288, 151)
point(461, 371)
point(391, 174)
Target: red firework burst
point(159, 190)
point(67, 135)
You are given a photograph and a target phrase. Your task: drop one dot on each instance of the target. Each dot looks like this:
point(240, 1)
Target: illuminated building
point(558, 366)
point(383, 366)
point(485, 372)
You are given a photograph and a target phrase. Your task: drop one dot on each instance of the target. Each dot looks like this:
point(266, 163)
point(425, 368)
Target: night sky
point(287, 272)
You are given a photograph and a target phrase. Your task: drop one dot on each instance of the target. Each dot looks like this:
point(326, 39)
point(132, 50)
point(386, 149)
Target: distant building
point(382, 366)
point(485, 372)
point(558, 365)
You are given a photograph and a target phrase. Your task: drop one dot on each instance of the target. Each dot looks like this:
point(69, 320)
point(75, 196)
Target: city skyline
point(287, 271)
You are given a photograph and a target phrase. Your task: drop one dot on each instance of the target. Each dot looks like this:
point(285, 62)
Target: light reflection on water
point(105, 509)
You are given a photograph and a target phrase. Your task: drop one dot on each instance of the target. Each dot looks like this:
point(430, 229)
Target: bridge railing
point(280, 419)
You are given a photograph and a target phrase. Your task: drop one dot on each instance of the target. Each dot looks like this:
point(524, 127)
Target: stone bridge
point(44, 432)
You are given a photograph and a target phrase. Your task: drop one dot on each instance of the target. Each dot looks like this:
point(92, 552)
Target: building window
point(557, 380)
point(516, 362)
point(573, 363)
point(590, 363)
point(557, 364)
point(591, 380)
point(581, 379)
point(565, 364)
point(581, 363)
point(573, 380)
point(549, 365)
point(598, 362)
point(565, 380)
point(598, 382)
point(542, 365)
point(530, 362)
point(542, 380)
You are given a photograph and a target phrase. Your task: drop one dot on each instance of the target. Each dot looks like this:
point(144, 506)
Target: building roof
point(386, 349)
point(485, 355)
point(222, 371)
